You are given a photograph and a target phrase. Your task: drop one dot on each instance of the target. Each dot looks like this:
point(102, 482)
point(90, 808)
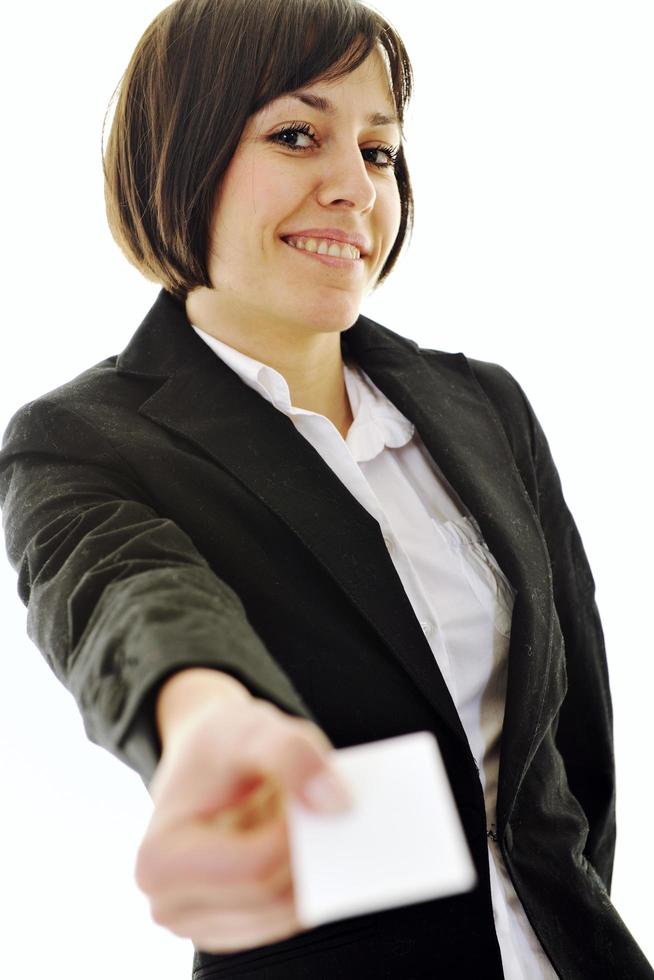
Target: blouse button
point(427, 628)
point(390, 543)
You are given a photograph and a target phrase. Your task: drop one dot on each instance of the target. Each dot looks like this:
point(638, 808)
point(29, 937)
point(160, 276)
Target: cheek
point(265, 198)
point(396, 207)
point(273, 194)
point(392, 215)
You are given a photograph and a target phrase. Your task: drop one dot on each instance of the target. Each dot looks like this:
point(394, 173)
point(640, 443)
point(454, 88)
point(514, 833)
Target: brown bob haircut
point(199, 71)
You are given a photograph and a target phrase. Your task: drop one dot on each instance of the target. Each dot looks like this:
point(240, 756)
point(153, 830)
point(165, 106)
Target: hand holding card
point(401, 842)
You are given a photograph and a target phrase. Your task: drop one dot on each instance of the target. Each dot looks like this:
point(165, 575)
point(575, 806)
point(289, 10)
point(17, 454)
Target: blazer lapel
point(206, 402)
point(463, 433)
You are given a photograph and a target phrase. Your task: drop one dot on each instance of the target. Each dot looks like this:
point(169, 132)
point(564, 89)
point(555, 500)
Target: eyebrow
point(323, 104)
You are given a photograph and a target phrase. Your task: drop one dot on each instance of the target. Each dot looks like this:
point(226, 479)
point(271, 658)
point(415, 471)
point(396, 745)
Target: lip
point(336, 235)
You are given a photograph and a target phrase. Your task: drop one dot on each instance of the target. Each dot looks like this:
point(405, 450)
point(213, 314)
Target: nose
point(346, 179)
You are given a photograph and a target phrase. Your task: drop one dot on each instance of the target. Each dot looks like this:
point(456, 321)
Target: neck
point(311, 364)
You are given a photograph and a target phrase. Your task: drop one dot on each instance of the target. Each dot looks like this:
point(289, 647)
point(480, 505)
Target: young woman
point(272, 526)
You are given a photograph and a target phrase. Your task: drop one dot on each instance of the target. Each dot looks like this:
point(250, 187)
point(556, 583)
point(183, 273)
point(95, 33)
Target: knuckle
point(275, 736)
point(258, 726)
point(268, 708)
point(314, 732)
point(161, 916)
point(144, 869)
point(151, 864)
point(289, 739)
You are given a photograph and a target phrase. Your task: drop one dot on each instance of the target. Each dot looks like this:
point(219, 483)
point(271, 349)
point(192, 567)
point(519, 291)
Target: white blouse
point(461, 598)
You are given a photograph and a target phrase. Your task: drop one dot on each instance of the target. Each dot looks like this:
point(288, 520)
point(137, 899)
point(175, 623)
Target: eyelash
point(391, 151)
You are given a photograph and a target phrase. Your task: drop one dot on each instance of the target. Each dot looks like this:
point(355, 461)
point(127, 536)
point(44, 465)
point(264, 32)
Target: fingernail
point(327, 792)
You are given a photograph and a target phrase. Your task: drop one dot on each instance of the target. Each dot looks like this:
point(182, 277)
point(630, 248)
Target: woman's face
point(336, 178)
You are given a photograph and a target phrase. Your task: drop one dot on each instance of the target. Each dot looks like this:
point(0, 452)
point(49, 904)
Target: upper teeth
point(325, 246)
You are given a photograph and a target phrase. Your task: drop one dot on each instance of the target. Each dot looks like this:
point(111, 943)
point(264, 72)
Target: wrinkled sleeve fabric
point(118, 597)
point(584, 735)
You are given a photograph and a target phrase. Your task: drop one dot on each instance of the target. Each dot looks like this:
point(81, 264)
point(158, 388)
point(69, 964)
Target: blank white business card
point(401, 842)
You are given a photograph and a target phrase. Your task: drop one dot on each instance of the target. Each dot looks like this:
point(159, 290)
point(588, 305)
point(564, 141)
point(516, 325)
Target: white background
point(531, 150)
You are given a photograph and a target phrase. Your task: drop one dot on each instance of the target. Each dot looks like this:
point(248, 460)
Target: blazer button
point(508, 838)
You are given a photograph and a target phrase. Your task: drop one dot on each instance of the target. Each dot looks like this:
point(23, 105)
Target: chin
point(335, 321)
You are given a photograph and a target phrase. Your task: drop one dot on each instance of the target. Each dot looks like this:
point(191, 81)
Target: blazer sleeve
point(118, 597)
point(584, 735)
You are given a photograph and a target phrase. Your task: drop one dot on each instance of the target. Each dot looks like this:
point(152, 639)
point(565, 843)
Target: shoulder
point(492, 382)
point(503, 391)
point(88, 426)
point(95, 401)
point(503, 394)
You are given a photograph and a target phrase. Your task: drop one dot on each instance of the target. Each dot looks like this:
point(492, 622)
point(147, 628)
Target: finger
point(219, 932)
point(289, 750)
point(204, 776)
point(208, 853)
point(223, 762)
point(189, 897)
point(263, 802)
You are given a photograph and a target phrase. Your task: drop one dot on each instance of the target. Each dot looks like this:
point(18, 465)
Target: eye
point(390, 151)
point(304, 129)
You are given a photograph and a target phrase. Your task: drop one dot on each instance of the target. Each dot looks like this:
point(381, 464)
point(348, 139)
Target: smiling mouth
point(336, 261)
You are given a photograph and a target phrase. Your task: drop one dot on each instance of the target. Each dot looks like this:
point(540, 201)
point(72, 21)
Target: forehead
point(369, 85)
point(322, 103)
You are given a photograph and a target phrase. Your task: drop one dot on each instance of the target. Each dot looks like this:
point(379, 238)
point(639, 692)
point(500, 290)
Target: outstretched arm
point(118, 598)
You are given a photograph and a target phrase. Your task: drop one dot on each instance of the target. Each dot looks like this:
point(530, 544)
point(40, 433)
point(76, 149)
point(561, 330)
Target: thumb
point(322, 787)
point(327, 790)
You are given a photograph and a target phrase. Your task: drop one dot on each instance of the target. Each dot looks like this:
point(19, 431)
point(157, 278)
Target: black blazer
point(161, 514)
